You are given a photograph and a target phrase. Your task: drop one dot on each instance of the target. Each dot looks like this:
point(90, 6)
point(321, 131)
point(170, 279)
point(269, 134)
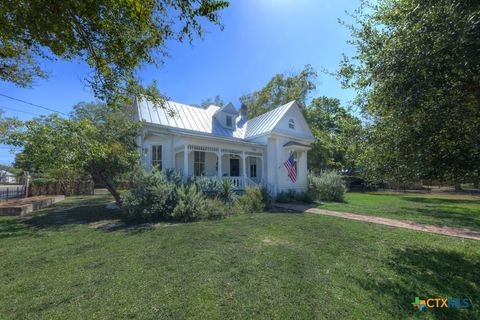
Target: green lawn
point(438, 209)
point(68, 264)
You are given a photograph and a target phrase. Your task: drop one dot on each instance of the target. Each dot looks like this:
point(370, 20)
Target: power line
point(13, 109)
point(32, 104)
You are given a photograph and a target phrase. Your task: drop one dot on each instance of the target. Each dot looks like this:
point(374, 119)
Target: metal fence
point(11, 192)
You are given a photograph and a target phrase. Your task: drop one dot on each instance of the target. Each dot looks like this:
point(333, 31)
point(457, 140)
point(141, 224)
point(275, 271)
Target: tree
point(96, 141)
point(217, 101)
point(113, 37)
point(281, 89)
point(417, 73)
point(338, 135)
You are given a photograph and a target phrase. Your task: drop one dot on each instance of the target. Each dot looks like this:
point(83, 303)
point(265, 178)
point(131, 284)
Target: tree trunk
point(458, 187)
point(111, 188)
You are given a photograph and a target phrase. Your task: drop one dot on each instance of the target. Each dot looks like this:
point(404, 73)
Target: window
point(291, 124)
point(253, 169)
point(198, 163)
point(229, 121)
point(157, 157)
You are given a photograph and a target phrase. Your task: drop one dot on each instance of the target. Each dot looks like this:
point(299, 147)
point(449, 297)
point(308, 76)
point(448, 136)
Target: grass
point(462, 211)
point(78, 260)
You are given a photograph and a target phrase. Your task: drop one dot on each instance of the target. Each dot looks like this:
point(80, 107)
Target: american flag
point(291, 168)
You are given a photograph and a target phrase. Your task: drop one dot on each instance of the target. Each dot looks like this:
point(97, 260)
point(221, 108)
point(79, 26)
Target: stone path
point(447, 231)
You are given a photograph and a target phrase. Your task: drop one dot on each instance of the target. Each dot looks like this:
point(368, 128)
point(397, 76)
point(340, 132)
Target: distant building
point(7, 177)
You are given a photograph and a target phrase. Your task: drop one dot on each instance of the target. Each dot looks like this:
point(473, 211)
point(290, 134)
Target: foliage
point(174, 176)
point(153, 199)
point(192, 204)
point(292, 195)
point(281, 89)
point(338, 133)
point(267, 197)
point(113, 38)
point(328, 186)
point(208, 185)
point(217, 101)
point(338, 136)
point(252, 200)
point(417, 72)
point(103, 148)
point(163, 196)
point(226, 191)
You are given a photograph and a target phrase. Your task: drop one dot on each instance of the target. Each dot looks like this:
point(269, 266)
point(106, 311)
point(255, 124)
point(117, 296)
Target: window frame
point(291, 124)
point(156, 156)
point(227, 119)
point(198, 163)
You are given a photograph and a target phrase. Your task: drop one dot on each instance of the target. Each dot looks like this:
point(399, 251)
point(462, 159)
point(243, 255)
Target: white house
point(7, 177)
point(221, 142)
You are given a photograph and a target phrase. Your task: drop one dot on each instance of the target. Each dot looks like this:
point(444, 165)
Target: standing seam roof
point(203, 121)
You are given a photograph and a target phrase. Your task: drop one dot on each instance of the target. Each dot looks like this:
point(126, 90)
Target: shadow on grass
point(427, 273)
point(456, 217)
point(91, 211)
point(440, 201)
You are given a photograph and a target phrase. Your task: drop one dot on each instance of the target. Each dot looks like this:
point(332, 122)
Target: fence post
point(26, 175)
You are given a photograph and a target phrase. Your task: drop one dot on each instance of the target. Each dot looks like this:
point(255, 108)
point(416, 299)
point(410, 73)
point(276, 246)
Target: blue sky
point(260, 38)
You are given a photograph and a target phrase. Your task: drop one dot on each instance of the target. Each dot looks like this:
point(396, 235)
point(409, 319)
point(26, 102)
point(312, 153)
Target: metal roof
point(266, 122)
point(195, 119)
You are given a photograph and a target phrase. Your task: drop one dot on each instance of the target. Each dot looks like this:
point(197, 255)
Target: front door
point(234, 167)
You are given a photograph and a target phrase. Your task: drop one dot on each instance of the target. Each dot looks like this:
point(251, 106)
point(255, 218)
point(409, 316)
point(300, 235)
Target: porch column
point(219, 171)
point(185, 161)
point(244, 164)
point(264, 168)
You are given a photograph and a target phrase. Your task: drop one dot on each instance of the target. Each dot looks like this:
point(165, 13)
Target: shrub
point(267, 197)
point(174, 176)
point(293, 195)
point(152, 199)
point(209, 186)
point(252, 200)
point(286, 196)
point(216, 209)
point(192, 204)
point(226, 191)
point(304, 197)
point(329, 186)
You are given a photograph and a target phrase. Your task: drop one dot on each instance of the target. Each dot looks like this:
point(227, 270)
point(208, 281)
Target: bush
point(192, 204)
point(267, 197)
point(293, 195)
point(174, 176)
point(154, 198)
point(226, 191)
point(287, 196)
point(329, 186)
point(304, 197)
point(252, 200)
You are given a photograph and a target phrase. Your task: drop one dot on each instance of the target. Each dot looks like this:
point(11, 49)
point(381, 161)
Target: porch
point(243, 168)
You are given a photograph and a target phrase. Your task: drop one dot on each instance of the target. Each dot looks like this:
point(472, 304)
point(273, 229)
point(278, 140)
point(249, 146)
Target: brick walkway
point(447, 231)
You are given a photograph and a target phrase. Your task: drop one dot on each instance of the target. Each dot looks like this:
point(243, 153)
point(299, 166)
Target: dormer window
point(291, 124)
point(229, 121)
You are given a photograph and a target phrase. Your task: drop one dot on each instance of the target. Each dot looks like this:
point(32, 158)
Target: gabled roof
point(266, 122)
point(202, 121)
point(186, 118)
point(228, 108)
